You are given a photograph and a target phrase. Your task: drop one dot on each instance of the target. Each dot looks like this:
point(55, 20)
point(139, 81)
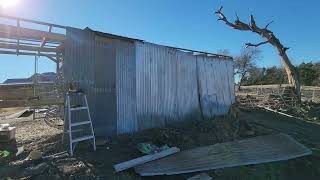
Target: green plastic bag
point(4, 154)
point(149, 148)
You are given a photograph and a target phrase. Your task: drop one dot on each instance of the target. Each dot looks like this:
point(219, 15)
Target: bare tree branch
point(236, 25)
point(256, 45)
point(266, 27)
point(253, 24)
point(259, 44)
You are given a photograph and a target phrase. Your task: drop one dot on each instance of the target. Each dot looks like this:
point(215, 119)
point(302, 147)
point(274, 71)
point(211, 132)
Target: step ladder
point(71, 128)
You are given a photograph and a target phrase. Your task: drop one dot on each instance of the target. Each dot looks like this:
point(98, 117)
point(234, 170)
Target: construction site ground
point(87, 164)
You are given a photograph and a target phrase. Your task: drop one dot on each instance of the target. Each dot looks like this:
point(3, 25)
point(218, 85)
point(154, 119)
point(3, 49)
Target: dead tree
point(270, 38)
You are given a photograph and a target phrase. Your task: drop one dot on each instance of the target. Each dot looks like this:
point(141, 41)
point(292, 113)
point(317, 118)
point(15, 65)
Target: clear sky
point(183, 23)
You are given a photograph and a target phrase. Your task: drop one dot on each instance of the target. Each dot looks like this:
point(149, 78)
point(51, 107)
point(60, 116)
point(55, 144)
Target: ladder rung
point(80, 123)
point(82, 138)
point(78, 108)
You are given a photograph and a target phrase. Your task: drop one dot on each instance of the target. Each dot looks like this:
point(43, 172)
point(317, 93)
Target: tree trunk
point(240, 82)
point(293, 75)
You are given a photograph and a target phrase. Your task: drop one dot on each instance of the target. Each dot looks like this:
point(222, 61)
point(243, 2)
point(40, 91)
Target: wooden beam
point(44, 40)
point(28, 53)
point(9, 31)
point(15, 42)
point(144, 159)
point(52, 58)
point(33, 21)
point(28, 48)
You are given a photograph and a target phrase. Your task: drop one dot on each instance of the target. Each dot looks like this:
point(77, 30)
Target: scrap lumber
point(281, 113)
point(16, 115)
point(256, 150)
point(144, 159)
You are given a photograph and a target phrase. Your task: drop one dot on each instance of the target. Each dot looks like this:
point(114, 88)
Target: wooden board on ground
point(244, 152)
point(17, 114)
point(144, 159)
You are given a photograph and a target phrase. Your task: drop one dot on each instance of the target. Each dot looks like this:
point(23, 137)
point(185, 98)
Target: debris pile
point(284, 100)
point(307, 110)
point(7, 133)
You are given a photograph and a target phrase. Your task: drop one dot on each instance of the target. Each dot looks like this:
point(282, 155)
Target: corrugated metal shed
point(134, 85)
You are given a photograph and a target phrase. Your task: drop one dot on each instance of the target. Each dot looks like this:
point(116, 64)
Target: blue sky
point(183, 23)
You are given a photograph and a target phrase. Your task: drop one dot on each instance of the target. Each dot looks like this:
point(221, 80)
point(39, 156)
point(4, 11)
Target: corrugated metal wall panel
point(187, 91)
point(209, 91)
point(216, 85)
point(91, 65)
point(77, 68)
point(230, 68)
point(126, 87)
point(166, 86)
point(105, 86)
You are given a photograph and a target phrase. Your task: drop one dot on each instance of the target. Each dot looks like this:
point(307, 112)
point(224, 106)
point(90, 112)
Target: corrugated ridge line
point(126, 88)
point(231, 81)
point(220, 88)
point(224, 88)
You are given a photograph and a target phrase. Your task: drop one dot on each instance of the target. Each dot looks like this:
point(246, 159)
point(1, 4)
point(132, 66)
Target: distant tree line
point(309, 75)
point(248, 73)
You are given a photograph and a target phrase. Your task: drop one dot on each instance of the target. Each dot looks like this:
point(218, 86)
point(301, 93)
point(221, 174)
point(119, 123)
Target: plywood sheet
point(249, 151)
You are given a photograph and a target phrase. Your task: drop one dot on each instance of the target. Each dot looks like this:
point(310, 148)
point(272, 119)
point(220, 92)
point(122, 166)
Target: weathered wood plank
point(141, 160)
point(244, 152)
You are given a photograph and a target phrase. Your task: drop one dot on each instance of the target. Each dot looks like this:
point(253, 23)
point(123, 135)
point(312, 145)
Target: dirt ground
point(87, 164)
